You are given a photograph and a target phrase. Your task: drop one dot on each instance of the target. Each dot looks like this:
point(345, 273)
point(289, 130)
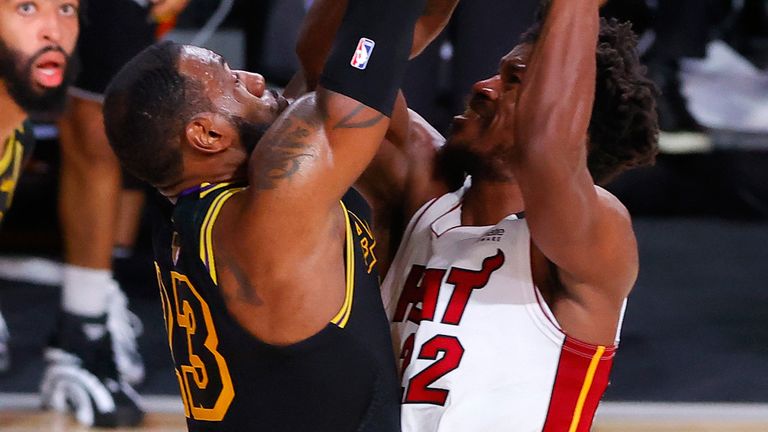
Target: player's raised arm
point(324, 17)
point(582, 229)
point(323, 142)
point(316, 38)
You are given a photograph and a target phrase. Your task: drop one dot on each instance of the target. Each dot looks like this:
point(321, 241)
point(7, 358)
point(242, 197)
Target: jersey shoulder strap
point(195, 216)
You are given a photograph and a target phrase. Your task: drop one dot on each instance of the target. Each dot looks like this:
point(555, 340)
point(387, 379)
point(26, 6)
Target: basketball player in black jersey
point(266, 263)
point(36, 41)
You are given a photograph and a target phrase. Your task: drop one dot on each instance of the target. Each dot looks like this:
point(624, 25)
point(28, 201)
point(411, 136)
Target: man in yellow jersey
point(36, 42)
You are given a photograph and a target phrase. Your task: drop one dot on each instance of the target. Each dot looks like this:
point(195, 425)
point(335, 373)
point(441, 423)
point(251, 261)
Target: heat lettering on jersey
point(465, 282)
point(422, 286)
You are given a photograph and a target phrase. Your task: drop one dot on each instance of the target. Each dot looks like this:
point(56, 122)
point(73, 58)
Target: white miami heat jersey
point(479, 348)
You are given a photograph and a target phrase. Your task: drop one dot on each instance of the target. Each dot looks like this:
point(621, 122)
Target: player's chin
point(459, 125)
point(464, 129)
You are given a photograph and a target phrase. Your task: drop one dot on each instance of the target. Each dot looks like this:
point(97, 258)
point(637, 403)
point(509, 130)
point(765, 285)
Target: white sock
point(86, 291)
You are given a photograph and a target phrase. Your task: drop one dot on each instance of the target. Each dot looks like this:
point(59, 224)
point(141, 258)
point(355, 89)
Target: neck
point(173, 191)
point(489, 201)
point(13, 116)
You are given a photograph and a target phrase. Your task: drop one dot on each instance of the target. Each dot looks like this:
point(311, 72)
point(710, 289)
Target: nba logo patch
point(362, 53)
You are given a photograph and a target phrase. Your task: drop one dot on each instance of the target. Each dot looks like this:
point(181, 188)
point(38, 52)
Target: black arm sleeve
point(371, 50)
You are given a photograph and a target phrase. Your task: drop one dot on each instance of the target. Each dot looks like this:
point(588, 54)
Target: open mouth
point(48, 70)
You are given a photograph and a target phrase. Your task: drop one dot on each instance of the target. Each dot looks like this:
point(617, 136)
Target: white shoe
point(125, 328)
point(81, 376)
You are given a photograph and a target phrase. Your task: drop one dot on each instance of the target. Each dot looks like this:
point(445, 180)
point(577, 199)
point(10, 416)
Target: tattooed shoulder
point(285, 148)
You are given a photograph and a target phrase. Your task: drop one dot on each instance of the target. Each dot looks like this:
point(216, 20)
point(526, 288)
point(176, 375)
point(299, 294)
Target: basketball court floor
point(612, 417)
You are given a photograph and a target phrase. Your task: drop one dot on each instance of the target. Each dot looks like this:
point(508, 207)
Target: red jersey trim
point(580, 382)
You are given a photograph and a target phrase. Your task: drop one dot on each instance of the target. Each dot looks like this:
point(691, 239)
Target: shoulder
point(428, 176)
point(612, 206)
point(422, 135)
point(616, 245)
point(304, 107)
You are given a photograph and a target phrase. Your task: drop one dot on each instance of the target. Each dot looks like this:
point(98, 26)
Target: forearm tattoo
point(350, 122)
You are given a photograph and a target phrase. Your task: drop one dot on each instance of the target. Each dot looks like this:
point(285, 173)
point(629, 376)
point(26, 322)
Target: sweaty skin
point(289, 220)
point(524, 140)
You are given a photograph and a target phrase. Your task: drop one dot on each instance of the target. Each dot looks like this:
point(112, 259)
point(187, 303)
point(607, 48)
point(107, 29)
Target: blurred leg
point(96, 335)
point(90, 185)
point(128, 219)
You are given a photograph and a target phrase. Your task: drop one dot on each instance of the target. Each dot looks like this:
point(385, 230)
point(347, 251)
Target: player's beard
point(250, 132)
point(16, 73)
point(461, 156)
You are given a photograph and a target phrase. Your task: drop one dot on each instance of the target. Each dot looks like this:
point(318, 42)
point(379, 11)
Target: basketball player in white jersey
point(506, 295)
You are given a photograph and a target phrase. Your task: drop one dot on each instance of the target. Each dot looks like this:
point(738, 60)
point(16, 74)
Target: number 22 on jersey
point(423, 286)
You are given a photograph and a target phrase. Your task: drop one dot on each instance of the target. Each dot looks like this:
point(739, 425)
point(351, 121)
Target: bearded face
point(37, 83)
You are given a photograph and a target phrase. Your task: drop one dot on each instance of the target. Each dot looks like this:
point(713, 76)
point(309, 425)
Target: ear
point(210, 133)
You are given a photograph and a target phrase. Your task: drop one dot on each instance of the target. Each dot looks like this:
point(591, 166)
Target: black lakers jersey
point(342, 379)
point(18, 147)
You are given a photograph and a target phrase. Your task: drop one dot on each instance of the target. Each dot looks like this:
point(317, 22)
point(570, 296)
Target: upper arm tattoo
point(283, 153)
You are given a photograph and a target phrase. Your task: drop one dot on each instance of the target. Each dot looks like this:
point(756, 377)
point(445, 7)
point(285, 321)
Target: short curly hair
point(624, 128)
